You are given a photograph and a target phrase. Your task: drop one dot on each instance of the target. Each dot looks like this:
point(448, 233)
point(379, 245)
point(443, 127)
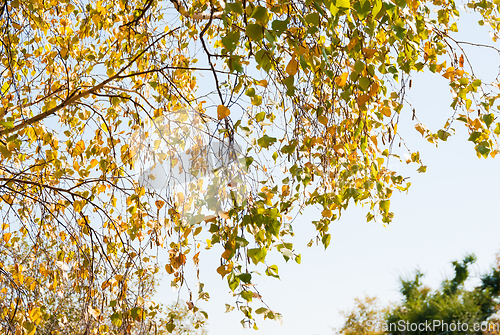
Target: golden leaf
point(323, 120)
point(327, 213)
point(341, 80)
point(210, 218)
point(362, 99)
point(292, 67)
point(386, 111)
point(226, 254)
point(420, 128)
point(222, 112)
point(6, 237)
point(262, 83)
point(369, 52)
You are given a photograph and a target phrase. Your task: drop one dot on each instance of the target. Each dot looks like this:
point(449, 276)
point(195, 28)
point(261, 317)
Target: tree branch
point(75, 96)
point(196, 16)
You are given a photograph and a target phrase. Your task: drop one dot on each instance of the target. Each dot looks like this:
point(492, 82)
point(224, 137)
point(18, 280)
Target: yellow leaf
point(64, 52)
point(449, 73)
point(476, 124)
point(159, 203)
point(222, 112)
point(352, 44)
point(210, 218)
point(420, 128)
point(292, 67)
point(362, 99)
point(222, 270)
point(11, 146)
point(78, 205)
point(386, 111)
point(327, 213)
point(96, 18)
point(226, 254)
point(169, 269)
point(79, 148)
point(262, 83)
point(323, 120)
point(339, 148)
point(341, 80)
point(369, 52)
point(285, 190)
point(374, 89)
point(6, 237)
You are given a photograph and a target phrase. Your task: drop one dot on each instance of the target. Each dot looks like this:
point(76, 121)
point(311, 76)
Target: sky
point(449, 211)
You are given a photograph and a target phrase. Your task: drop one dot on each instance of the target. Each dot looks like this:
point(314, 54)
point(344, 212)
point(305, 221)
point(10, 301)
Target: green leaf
point(247, 311)
point(313, 19)
point(170, 326)
point(136, 313)
point(384, 206)
point(245, 277)
point(262, 58)
point(476, 83)
point(474, 136)
point(256, 100)
point(7, 124)
point(280, 26)
point(240, 242)
point(257, 254)
point(483, 150)
point(235, 7)
point(443, 135)
point(250, 92)
point(359, 66)
point(488, 119)
point(288, 149)
point(422, 169)
point(298, 259)
point(247, 295)
point(266, 141)
point(116, 318)
point(359, 129)
point(230, 42)
point(261, 310)
point(233, 281)
point(272, 271)
point(364, 83)
point(260, 14)
point(248, 161)
point(254, 31)
point(326, 240)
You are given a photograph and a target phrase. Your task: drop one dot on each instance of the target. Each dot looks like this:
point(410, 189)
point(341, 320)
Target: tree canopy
point(131, 127)
point(453, 308)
